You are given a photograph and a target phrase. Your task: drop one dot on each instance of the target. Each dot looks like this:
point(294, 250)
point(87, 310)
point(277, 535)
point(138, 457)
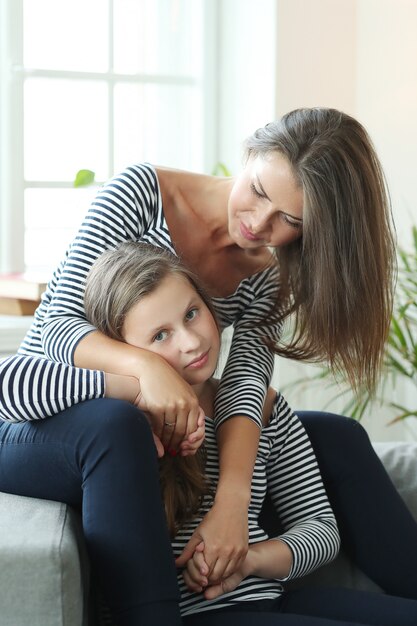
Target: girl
point(305, 228)
point(156, 304)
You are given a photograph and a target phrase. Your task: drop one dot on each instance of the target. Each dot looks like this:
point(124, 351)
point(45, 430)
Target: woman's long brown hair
point(338, 278)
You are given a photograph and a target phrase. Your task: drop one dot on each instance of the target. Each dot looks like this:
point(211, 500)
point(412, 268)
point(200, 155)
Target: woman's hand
point(195, 575)
point(170, 402)
point(224, 533)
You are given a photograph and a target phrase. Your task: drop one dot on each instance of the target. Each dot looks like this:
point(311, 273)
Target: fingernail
point(172, 452)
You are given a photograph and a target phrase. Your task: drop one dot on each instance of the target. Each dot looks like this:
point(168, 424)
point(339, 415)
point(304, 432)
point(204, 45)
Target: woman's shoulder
point(143, 174)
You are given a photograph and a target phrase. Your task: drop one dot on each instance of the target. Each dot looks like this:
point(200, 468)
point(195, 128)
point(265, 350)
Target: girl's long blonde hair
point(338, 278)
point(117, 281)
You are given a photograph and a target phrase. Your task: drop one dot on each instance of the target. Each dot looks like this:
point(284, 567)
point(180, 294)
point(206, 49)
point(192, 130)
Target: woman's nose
point(260, 222)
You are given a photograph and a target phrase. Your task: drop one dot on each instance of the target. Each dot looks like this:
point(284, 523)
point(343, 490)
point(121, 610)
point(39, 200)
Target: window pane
point(161, 124)
point(158, 36)
point(66, 35)
point(52, 218)
point(66, 128)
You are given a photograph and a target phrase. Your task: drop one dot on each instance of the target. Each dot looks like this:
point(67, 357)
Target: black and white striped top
point(285, 466)
point(41, 380)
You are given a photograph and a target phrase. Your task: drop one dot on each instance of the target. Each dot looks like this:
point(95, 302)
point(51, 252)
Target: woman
point(158, 305)
point(312, 190)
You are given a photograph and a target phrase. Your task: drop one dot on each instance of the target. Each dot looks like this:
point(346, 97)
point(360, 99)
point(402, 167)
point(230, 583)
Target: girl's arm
point(297, 491)
point(310, 538)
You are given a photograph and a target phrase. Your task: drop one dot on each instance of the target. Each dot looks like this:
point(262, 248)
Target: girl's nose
point(189, 340)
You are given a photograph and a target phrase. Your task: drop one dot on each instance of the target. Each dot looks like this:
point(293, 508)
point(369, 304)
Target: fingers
point(192, 443)
point(158, 445)
point(223, 563)
point(175, 425)
point(195, 574)
point(225, 568)
point(195, 543)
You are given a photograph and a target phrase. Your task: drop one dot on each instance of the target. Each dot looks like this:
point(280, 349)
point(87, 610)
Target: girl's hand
point(224, 531)
point(196, 570)
point(191, 444)
point(170, 402)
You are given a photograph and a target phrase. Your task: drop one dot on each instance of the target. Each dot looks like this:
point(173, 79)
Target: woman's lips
point(246, 233)
point(200, 361)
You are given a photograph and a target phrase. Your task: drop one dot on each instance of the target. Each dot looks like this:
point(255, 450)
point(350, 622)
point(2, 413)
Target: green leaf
point(220, 169)
point(83, 178)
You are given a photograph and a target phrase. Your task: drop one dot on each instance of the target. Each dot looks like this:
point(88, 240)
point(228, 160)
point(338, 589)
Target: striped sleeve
point(250, 363)
point(297, 491)
point(33, 388)
point(120, 212)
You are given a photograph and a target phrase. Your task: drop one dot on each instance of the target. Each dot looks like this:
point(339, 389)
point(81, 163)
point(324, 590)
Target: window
point(94, 84)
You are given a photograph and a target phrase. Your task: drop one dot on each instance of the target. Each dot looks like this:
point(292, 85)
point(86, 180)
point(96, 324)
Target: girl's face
point(174, 322)
point(265, 205)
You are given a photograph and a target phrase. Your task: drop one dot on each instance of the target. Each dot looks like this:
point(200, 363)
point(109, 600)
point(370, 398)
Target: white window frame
point(13, 75)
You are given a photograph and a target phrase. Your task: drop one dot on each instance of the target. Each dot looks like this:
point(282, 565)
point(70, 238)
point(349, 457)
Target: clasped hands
point(216, 558)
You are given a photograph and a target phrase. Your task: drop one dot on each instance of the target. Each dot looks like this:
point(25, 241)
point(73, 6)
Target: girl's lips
point(200, 361)
point(246, 233)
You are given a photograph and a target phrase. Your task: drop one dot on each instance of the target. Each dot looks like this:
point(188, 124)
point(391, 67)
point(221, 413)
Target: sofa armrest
point(43, 564)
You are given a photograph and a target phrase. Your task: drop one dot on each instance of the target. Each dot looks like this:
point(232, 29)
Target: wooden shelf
point(17, 306)
point(20, 294)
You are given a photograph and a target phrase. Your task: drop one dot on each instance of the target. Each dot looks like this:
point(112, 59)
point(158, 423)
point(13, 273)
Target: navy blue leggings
point(99, 457)
point(315, 607)
point(377, 530)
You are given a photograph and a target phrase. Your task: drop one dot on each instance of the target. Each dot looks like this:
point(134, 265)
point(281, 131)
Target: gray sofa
point(44, 575)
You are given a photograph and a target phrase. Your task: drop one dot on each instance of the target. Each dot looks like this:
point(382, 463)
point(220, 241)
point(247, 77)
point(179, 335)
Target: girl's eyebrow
point(192, 302)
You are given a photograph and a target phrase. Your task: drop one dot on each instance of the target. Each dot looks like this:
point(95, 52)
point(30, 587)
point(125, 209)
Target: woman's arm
point(162, 393)
point(122, 211)
point(238, 415)
point(33, 388)
point(224, 530)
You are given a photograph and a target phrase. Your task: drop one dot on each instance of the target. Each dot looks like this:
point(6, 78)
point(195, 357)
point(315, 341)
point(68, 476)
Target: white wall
point(246, 58)
point(316, 54)
point(386, 98)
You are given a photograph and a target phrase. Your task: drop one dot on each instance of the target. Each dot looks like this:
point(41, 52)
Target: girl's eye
point(161, 336)
point(290, 222)
point(256, 191)
point(191, 314)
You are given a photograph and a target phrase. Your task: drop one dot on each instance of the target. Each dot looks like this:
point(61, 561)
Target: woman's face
point(174, 322)
point(266, 204)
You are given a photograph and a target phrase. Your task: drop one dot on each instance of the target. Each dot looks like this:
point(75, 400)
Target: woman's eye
point(290, 222)
point(256, 191)
point(161, 336)
point(191, 314)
